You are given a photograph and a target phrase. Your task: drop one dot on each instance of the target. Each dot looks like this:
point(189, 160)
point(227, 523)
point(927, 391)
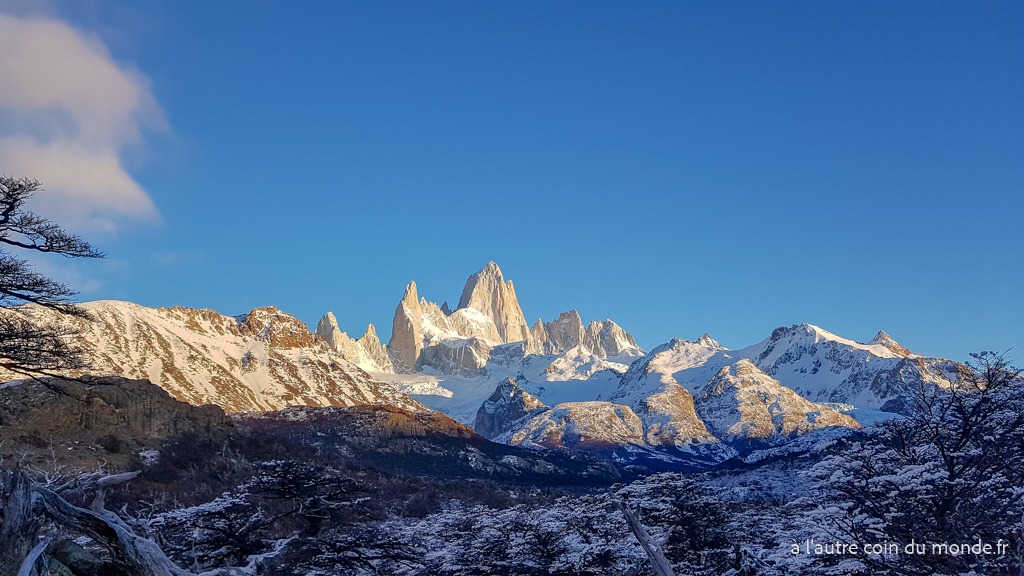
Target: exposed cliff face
point(538, 341)
point(488, 316)
point(603, 338)
point(457, 342)
point(97, 419)
point(365, 352)
point(375, 350)
point(609, 339)
point(466, 358)
point(263, 360)
point(743, 403)
point(508, 404)
point(406, 331)
point(489, 293)
point(564, 333)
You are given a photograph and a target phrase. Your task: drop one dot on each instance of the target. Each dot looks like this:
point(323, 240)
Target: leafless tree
point(950, 472)
point(28, 346)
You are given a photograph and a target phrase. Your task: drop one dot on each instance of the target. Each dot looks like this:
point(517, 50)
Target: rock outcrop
point(365, 352)
point(488, 316)
point(886, 341)
point(709, 342)
point(602, 338)
point(406, 331)
point(263, 360)
point(457, 342)
point(508, 404)
point(742, 403)
point(564, 333)
point(457, 357)
point(609, 339)
point(488, 292)
point(375, 350)
point(96, 419)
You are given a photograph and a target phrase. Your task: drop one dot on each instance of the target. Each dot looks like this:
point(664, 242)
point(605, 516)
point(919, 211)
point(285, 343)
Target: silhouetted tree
point(27, 345)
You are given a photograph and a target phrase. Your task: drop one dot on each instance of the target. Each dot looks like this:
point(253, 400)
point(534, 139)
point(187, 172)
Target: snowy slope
point(824, 367)
point(575, 375)
point(263, 360)
point(743, 403)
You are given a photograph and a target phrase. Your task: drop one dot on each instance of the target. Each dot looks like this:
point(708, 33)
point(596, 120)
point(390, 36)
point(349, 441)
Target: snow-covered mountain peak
point(827, 368)
point(886, 341)
point(509, 403)
point(673, 344)
point(678, 347)
point(279, 329)
point(707, 340)
point(742, 368)
point(743, 403)
point(809, 335)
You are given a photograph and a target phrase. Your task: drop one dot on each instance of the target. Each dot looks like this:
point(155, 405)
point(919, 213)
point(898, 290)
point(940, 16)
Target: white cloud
point(66, 274)
point(67, 112)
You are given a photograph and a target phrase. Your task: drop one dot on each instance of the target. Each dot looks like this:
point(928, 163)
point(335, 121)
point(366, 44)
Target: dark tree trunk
point(19, 528)
point(661, 565)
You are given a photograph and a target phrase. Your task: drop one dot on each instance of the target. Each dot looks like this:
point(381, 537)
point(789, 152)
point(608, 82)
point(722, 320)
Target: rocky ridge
point(603, 338)
point(366, 352)
point(263, 360)
point(824, 367)
point(461, 342)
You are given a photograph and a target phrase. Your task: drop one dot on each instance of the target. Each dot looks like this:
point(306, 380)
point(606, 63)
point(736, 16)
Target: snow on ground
point(864, 416)
point(552, 379)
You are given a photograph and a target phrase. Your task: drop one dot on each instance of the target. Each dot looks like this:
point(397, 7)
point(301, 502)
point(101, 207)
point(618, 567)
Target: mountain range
point(559, 384)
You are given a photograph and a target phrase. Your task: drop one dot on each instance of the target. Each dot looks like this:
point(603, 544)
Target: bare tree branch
point(26, 347)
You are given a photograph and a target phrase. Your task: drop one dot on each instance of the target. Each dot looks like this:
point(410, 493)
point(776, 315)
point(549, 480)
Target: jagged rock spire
point(406, 331)
point(488, 292)
point(366, 352)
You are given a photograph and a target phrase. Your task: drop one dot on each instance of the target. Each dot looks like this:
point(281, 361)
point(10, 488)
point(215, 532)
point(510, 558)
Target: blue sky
point(679, 167)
